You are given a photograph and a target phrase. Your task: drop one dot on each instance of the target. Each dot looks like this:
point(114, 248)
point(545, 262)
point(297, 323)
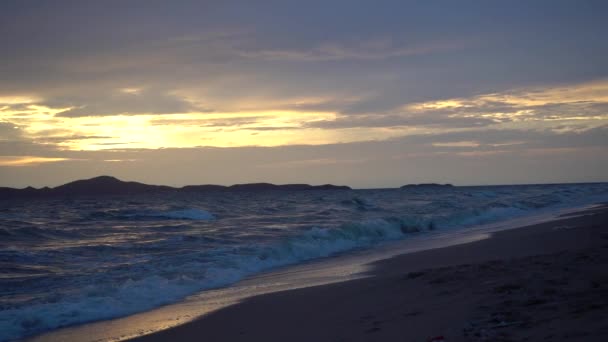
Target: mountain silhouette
point(108, 185)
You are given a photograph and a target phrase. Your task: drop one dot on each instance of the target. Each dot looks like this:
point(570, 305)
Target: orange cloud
point(27, 160)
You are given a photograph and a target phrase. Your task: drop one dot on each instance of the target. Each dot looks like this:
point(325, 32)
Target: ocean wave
point(181, 258)
point(146, 290)
point(183, 214)
point(139, 214)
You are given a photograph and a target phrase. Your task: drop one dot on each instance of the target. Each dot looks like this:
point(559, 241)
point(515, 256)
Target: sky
point(369, 94)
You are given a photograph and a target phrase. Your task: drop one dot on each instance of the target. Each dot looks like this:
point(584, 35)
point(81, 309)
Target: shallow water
point(64, 262)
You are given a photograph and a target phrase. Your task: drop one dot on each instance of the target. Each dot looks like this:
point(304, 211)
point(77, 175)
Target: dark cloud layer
point(395, 51)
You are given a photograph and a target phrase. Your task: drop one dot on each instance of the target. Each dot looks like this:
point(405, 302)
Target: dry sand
point(547, 282)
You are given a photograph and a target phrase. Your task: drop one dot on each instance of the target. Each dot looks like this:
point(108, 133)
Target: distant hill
point(426, 186)
point(107, 185)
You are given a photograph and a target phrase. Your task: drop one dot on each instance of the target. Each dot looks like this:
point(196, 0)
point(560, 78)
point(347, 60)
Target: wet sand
point(547, 282)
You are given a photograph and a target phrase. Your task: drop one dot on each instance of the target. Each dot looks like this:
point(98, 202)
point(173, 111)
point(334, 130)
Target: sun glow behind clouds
point(270, 128)
point(575, 107)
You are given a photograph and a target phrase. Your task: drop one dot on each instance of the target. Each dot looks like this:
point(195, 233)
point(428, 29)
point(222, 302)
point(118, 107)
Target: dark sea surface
point(70, 261)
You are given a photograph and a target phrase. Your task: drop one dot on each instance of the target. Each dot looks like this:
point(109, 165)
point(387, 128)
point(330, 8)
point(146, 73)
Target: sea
point(68, 261)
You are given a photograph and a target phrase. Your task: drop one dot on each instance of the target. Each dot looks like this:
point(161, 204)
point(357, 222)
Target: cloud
point(68, 138)
point(457, 144)
point(125, 123)
point(583, 101)
point(18, 100)
point(9, 131)
point(310, 162)
point(211, 122)
point(369, 50)
point(125, 101)
point(15, 161)
point(571, 107)
point(387, 121)
point(513, 139)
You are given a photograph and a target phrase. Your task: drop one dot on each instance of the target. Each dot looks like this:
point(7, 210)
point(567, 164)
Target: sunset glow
point(137, 88)
point(572, 105)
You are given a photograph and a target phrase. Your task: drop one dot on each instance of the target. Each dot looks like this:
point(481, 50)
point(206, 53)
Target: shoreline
point(439, 293)
point(358, 264)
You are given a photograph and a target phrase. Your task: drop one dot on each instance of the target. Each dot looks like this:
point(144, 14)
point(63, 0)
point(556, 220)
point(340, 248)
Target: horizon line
point(280, 184)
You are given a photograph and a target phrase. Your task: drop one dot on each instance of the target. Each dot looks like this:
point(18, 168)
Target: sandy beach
point(546, 282)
